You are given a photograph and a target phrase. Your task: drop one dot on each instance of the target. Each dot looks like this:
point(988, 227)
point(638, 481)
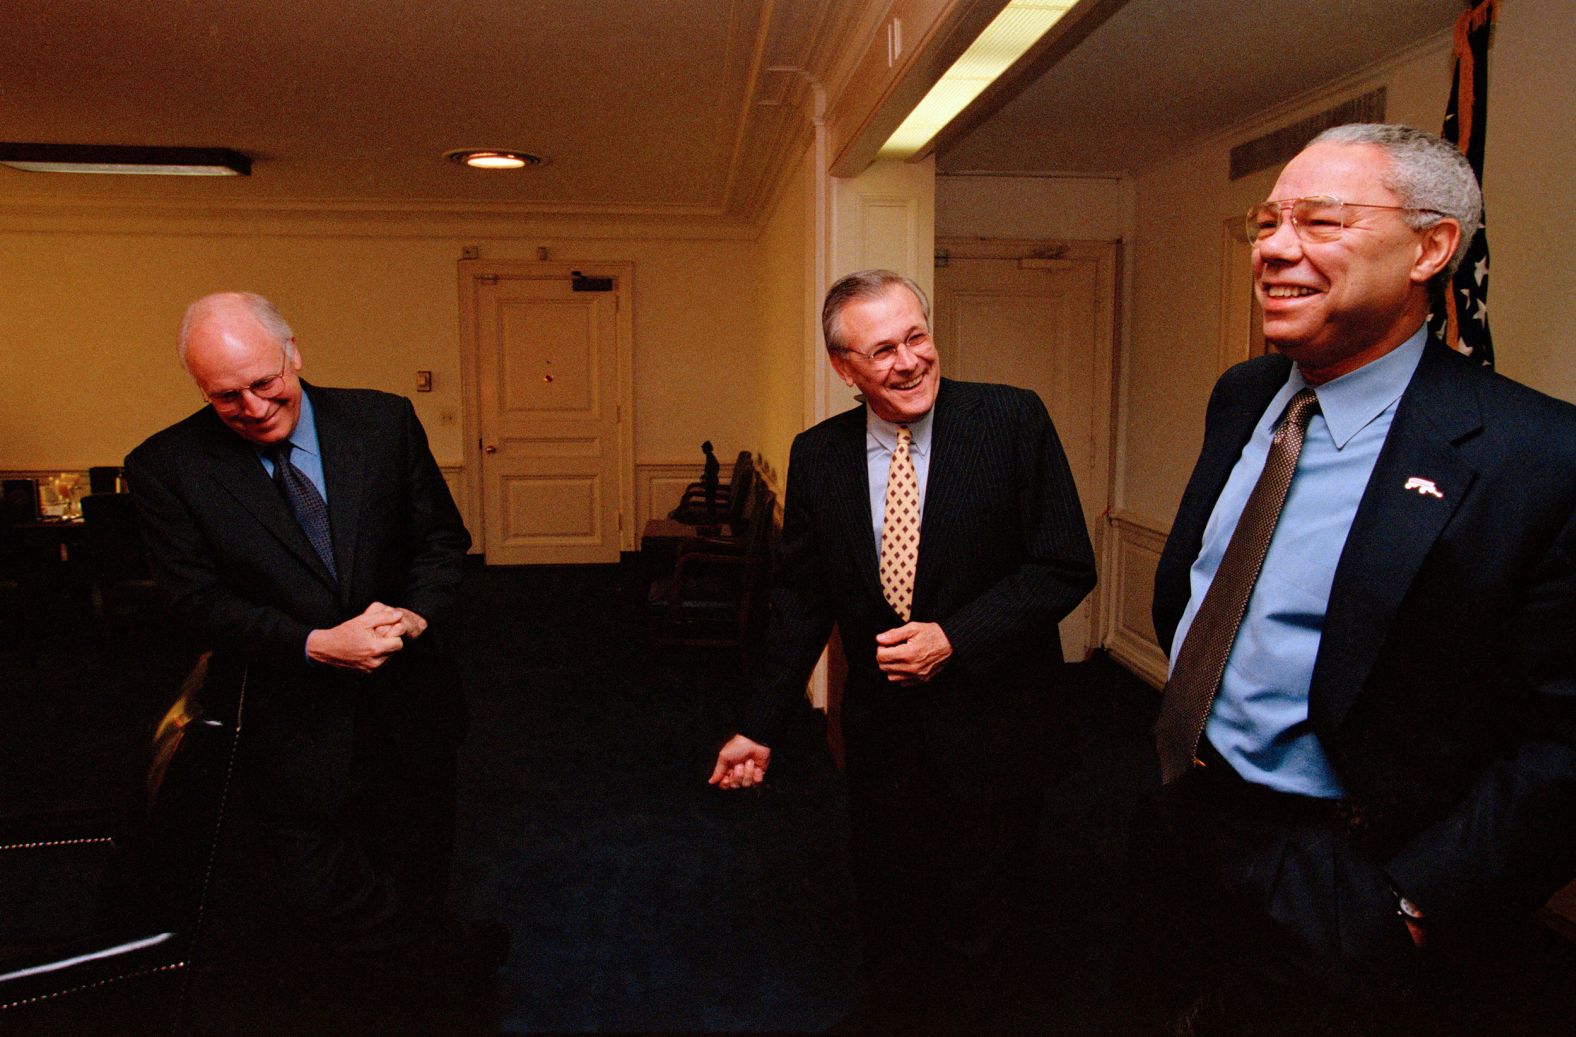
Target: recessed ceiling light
point(113, 158)
point(494, 158)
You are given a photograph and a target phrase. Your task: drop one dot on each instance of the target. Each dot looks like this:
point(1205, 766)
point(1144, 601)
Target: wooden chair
point(728, 506)
point(124, 965)
point(716, 592)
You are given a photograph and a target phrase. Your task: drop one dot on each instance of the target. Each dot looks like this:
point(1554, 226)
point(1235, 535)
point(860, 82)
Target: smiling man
point(937, 526)
point(309, 532)
point(1368, 738)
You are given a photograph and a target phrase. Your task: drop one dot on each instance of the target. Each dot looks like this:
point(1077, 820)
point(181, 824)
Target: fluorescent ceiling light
point(111, 158)
point(1009, 35)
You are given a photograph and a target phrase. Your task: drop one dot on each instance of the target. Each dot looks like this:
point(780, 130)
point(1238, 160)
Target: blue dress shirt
point(1259, 720)
point(304, 454)
point(880, 441)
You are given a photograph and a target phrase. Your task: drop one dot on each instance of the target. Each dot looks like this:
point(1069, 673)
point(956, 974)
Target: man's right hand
point(356, 643)
point(741, 763)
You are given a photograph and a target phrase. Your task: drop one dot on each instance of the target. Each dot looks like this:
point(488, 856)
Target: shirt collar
point(1351, 402)
point(884, 432)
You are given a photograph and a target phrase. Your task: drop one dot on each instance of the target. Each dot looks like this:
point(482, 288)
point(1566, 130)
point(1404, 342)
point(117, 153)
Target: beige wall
point(785, 335)
point(88, 318)
point(1074, 208)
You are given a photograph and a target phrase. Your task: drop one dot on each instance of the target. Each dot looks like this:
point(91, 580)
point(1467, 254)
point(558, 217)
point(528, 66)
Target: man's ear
point(1435, 246)
point(840, 365)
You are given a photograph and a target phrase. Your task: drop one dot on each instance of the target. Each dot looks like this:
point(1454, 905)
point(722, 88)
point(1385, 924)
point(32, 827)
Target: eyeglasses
point(228, 399)
point(885, 355)
point(1316, 219)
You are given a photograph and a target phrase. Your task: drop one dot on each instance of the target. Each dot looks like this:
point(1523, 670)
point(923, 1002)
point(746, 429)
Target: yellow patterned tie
point(900, 528)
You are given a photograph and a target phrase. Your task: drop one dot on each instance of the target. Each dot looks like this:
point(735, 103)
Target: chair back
point(160, 883)
point(743, 495)
point(104, 479)
point(115, 546)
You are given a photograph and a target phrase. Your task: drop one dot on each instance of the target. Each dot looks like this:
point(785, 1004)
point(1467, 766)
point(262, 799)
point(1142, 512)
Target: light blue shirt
point(304, 454)
point(880, 441)
point(1259, 720)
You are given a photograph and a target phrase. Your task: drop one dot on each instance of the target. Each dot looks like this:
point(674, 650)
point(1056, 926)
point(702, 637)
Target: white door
point(549, 414)
point(1041, 318)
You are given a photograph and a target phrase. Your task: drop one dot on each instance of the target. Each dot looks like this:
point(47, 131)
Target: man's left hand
point(912, 653)
point(409, 626)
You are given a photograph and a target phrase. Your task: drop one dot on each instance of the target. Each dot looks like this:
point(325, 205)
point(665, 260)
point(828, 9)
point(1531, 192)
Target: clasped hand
point(365, 642)
point(912, 653)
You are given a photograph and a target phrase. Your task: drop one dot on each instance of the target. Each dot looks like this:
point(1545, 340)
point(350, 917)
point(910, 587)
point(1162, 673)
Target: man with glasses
point(938, 527)
point(309, 531)
point(1368, 738)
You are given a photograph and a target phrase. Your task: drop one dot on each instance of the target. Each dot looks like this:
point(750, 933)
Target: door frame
point(1107, 258)
point(475, 272)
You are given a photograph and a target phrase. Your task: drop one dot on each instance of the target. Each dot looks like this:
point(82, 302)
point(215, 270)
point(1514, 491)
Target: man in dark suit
point(1386, 776)
point(950, 653)
point(310, 532)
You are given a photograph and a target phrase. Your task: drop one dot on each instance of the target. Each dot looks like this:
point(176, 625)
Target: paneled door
point(1041, 317)
point(550, 350)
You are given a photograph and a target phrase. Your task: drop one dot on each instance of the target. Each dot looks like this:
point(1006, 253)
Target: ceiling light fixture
point(494, 158)
point(1006, 39)
point(114, 158)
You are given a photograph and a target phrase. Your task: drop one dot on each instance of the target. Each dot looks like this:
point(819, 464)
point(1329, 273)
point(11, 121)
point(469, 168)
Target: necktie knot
point(1301, 409)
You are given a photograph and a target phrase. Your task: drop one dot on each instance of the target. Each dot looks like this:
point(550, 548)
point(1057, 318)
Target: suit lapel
point(954, 454)
point(239, 473)
point(1394, 529)
point(344, 476)
point(849, 490)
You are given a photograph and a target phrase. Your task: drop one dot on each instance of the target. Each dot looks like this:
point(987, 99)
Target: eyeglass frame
point(263, 388)
point(1283, 213)
point(879, 357)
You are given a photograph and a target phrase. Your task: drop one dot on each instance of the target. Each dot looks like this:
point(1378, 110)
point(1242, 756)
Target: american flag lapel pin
point(1424, 487)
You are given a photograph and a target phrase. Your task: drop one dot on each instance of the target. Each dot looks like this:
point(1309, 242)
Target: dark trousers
point(1263, 912)
point(361, 864)
point(940, 881)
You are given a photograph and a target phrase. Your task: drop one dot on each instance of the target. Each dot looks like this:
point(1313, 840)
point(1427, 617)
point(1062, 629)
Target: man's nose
point(253, 405)
point(1283, 244)
point(906, 358)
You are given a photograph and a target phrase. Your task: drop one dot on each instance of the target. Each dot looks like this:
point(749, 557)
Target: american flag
point(1463, 323)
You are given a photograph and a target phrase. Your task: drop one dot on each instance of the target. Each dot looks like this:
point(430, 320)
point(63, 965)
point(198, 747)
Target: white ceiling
point(642, 108)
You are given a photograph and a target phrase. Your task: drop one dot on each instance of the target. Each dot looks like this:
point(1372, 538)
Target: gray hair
point(1426, 172)
point(265, 312)
point(862, 284)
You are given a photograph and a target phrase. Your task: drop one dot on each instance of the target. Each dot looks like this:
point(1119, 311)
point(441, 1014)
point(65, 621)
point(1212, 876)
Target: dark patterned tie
point(900, 528)
point(304, 500)
point(1201, 661)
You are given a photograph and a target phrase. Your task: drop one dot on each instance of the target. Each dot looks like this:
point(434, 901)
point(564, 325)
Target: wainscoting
point(1132, 547)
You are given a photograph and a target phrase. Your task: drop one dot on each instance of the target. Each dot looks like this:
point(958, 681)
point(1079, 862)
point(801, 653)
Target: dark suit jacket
point(240, 575)
point(1004, 555)
point(1444, 690)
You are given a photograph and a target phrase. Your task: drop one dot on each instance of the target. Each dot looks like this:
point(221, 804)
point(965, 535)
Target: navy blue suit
point(1444, 690)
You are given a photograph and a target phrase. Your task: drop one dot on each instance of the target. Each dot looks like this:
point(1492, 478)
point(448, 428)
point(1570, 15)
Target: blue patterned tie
point(310, 510)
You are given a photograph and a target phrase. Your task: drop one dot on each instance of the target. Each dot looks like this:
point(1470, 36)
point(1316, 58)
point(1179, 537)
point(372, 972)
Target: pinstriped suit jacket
point(1004, 555)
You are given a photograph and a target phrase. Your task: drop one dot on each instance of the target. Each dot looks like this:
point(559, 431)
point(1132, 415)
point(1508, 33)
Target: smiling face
point(1334, 306)
point(228, 349)
point(904, 390)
